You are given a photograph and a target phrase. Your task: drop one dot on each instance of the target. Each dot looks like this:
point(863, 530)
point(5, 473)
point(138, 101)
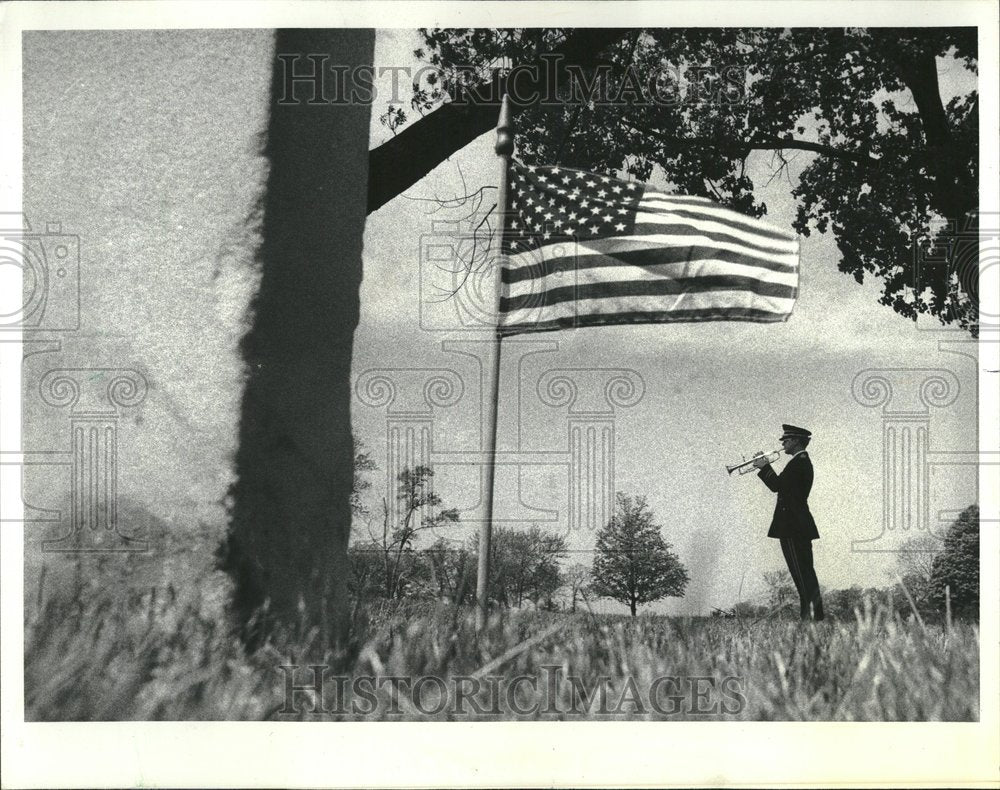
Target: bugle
point(746, 466)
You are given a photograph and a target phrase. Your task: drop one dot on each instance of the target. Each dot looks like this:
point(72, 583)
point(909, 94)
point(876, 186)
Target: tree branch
point(778, 143)
point(760, 143)
point(403, 160)
point(956, 190)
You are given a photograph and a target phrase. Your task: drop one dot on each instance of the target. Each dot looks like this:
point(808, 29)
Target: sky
point(711, 393)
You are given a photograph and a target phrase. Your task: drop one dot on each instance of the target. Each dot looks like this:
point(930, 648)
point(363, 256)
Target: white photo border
point(189, 754)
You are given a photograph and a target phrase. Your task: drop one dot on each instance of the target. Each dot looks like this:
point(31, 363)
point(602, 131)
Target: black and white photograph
point(500, 394)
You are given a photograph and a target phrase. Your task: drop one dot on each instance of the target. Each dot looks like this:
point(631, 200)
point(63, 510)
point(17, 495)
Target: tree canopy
point(892, 169)
point(524, 565)
point(387, 562)
point(957, 566)
point(633, 564)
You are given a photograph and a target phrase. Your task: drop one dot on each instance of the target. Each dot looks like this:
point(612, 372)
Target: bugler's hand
point(760, 461)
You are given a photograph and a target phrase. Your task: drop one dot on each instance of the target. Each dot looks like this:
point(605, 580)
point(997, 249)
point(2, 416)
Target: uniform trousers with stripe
point(799, 558)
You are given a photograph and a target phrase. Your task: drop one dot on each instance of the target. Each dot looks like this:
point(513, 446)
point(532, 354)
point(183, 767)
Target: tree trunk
point(631, 605)
point(956, 190)
point(286, 548)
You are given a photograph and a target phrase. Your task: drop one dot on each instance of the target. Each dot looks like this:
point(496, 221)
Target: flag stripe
point(655, 270)
point(631, 304)
point(657, 287)
point(646, 317)
point(678, 200)
point(718, 213)
point(683, 303)
point(643, 251)
point(711, 231)
point(780, 261)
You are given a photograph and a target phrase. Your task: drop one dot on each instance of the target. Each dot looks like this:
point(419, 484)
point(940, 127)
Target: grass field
point(95, 650)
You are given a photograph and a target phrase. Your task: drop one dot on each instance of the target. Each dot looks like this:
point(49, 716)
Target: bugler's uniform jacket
point(792, 518)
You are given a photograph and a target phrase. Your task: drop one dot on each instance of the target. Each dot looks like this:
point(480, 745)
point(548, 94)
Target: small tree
point(957, 566)
point(393, 543)
point(578, 580)
point(915, 566)
point(363, 462)
point(780, 588)
point(633, 563)
point(454, 571)
point(524, 566)
point(366, 578)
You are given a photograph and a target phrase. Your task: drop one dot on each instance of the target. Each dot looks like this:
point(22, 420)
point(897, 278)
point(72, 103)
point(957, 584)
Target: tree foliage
point(578, 578)
point(453, 570)
point(411, 154)
point(386, 563)
point(915, 556)
point(780, 588)
point(915, 565)
point(633, 564)
point(957, 566)
point(363, 463)
point(524, 566)
point(891, 168)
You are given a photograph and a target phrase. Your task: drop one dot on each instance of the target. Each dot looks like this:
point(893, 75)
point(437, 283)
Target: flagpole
point(504, 149)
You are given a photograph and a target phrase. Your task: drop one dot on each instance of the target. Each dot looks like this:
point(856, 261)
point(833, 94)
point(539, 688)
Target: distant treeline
point(935, 578)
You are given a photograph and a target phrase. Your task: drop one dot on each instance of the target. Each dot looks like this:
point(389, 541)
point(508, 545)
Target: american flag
point(584, 249)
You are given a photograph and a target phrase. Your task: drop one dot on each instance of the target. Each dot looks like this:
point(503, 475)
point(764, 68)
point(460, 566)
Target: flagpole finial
point(505, 136)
